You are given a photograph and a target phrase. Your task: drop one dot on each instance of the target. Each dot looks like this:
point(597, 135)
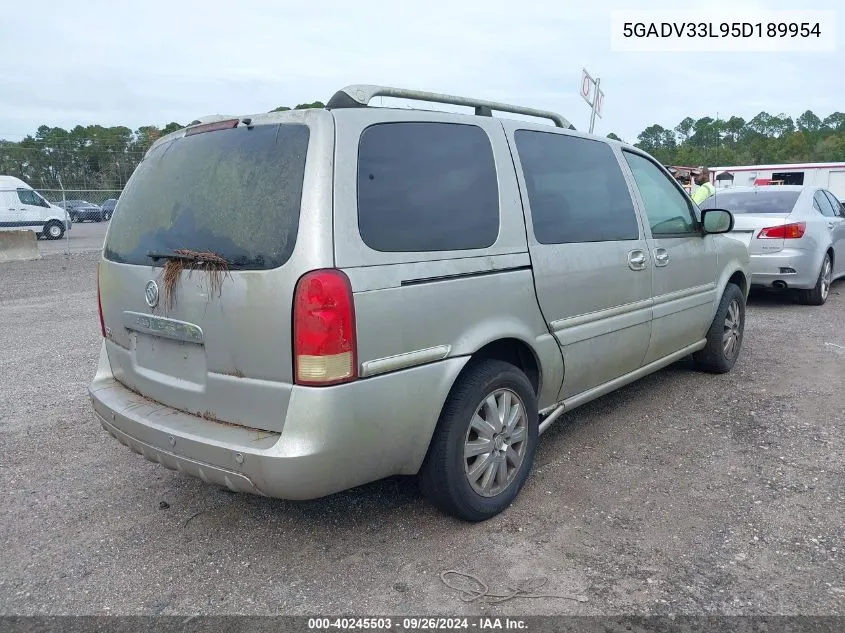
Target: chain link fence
point(92, 196)
point(72, 178)
point(63, 220)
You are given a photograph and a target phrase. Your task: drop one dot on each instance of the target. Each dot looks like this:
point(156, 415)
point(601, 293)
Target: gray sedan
point(795, 236)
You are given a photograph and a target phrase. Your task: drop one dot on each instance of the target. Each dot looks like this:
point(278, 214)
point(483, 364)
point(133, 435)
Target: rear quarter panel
point(732, 257)
point(439, 304)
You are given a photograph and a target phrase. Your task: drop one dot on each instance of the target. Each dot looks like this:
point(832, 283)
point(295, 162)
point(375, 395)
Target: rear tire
point(53, 230)
point(724, 338)
point(480, 486)
point(107, 216)
point(818, 295)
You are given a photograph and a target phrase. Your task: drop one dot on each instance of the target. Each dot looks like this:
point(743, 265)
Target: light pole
point(67, 215)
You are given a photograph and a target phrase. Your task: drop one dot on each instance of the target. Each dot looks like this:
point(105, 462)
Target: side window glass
point(824, 205)
point(427, 187)
point(838, 207)
point(27, 196)
point(576, 189)
point(669, 211)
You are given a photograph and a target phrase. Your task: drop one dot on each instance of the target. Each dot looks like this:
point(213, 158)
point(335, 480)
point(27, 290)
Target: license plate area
point(175, 363)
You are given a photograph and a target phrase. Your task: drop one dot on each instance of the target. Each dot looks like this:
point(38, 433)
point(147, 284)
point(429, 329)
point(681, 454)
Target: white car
point(23, 208)
point(795, 236)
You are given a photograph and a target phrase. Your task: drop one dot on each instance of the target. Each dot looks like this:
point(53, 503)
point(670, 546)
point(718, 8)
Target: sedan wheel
point(818, 295)
point(827, 278)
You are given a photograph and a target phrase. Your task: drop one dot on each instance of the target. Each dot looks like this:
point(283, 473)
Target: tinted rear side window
point(760, 201)
point(427, 187)
point(233, 192)
point(837, 206)
point(576, 189)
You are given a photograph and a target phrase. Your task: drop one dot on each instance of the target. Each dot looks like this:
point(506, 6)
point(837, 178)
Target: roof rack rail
point(360, 95)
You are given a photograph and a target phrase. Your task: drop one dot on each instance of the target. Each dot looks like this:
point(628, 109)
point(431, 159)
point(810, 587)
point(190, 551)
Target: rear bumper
point(768, 269)
point(334, 438)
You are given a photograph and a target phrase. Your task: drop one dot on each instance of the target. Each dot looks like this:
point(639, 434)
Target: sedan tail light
point(792, 231)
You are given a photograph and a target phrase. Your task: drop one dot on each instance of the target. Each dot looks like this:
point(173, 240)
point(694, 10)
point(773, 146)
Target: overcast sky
point(69, 62)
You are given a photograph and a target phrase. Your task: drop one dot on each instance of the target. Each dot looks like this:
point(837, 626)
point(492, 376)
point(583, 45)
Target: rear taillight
point(100, 305)
point(784, 231)
point(324, 344)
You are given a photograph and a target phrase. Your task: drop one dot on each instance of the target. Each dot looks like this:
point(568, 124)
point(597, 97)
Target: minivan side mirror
point(717, 220)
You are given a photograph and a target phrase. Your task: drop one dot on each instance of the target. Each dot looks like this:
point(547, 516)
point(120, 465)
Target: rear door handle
point(661, 257)
point(830, 225)
point(636, 259)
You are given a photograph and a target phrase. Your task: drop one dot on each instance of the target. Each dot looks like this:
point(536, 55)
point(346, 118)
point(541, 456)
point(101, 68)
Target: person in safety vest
point(705, 188)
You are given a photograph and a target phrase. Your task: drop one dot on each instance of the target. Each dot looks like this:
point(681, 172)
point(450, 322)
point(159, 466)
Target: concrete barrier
point(17, 246)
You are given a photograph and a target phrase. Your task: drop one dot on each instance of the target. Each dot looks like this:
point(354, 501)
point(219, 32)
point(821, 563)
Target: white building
point(831, 176)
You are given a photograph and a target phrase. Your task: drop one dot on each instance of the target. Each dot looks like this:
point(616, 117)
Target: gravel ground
point(682, 493)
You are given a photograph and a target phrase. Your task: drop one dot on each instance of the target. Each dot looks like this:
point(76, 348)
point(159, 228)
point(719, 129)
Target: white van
point(22, 208)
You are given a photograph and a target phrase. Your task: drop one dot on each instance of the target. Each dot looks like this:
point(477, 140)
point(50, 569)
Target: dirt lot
point(683, 493)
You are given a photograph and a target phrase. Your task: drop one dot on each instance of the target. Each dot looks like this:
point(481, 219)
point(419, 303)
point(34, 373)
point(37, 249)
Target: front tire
point(724, 338)
point(818, 295)
point(53, 230)
point(484, 443)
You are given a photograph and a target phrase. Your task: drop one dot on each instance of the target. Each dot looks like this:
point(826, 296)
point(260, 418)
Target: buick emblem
point(151, 293)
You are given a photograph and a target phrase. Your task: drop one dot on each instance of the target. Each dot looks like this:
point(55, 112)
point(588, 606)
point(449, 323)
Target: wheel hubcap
point(54, 231)
point(733, 330)
point(495, 443)
point(826, 275)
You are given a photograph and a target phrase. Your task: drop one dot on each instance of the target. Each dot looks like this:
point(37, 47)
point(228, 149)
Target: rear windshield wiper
point(190, 256)
point(156, 255)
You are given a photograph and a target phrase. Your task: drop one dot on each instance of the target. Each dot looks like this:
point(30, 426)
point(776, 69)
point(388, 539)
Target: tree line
point(764, 139)
point(98, 157)
point(86, 157)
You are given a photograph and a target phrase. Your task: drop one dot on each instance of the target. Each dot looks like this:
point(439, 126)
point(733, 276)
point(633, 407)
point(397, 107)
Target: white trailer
point(831, 176)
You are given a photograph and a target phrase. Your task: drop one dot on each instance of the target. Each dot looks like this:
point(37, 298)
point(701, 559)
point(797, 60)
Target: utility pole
point(67, 215)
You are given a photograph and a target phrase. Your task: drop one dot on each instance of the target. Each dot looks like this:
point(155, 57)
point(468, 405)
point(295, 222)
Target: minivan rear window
point(759, 201)
point(234, 192)
point(427, 187)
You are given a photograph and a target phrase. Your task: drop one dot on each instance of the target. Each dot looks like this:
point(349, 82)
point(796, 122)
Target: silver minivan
point(296, 303)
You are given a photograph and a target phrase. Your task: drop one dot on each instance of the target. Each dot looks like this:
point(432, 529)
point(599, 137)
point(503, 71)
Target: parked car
point(795, 235)
point(108, 208)
point(23, 208)
point(81, 210)
point(399, 291)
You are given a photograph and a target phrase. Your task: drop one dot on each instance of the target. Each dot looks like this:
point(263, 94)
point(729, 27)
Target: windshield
point(759, 201)
point(235, 193)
